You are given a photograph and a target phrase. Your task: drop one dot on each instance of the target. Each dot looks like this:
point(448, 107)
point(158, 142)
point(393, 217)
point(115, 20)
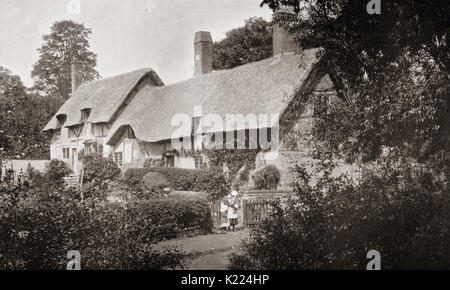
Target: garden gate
point(255, 211)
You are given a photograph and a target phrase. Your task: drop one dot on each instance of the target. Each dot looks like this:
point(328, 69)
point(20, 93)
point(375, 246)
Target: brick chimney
point(283, 41)
point(203, 52)
point(76, 74)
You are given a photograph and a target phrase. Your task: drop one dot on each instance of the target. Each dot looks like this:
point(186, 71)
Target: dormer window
point(61, 119)
point(85, 114)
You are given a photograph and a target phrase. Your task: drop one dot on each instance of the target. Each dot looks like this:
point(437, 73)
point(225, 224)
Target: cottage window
point(61, 119)
point(118, 158)
point(100, 130)
point(198, 162)
point(85, 114)
point(66, 152)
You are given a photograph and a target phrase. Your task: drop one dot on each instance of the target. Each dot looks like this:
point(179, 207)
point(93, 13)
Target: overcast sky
point(126, 34)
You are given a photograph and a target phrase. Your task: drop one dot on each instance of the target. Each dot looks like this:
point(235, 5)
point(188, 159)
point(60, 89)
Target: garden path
point(208, 252)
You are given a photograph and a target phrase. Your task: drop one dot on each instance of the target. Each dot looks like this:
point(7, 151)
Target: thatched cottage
point(130, 117)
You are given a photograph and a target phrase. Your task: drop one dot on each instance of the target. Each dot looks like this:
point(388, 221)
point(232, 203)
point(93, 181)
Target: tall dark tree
point(392, 73)
point(22, 117)
point(68, 41)
point(243, 45)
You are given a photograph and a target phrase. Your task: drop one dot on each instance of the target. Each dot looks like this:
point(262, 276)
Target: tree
point(68, 41)
point(391, 72)
point(22, 117)
point(243, 45)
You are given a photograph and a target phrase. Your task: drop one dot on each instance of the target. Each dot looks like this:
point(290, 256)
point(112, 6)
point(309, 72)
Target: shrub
point(179, 178)
point(37, 232)
point(400, 213)
point(133, 177)
point(56, 171)
point(167, 218)
point(267, 177)
point(153, 162)
point(99, 170)
point(154, 183)
point(211, 181)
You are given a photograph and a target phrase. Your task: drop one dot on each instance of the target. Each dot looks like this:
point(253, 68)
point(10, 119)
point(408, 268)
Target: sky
point(126, 34)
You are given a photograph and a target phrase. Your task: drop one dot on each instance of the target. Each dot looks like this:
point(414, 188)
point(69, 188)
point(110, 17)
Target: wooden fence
point(255, 211)
point(255, 207)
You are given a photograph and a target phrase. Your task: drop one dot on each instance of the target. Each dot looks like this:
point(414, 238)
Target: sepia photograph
point(231, 135)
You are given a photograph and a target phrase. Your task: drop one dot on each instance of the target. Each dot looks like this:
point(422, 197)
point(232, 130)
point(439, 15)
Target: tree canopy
point(391, 72)
point(68, 41)
point(22, 117)
point(243, 45)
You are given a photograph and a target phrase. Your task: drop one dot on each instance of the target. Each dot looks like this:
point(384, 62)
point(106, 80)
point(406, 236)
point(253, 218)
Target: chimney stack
point(76, 74)
point(203, 52)
point(283, 41)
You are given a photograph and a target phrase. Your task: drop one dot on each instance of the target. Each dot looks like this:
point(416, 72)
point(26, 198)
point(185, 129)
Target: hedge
point(210, 181)
point(37, 231)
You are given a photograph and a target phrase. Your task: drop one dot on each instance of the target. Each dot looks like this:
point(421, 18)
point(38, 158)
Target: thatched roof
point(263, 87)
point(103, 97)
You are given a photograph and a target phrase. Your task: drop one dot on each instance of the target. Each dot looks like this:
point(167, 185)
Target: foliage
point(39, 229)
point(99, 170)
point(57, 169)
point(133, 177)
point(154, 183)
point(267, 177)
point(166, 218)
point(235, 159)
point(179, 178)
point(22, 117)
point(391, 73)
point(243, 45)
point(153, 162)
point(393, 209)
point(211, 181)
point(68, 41)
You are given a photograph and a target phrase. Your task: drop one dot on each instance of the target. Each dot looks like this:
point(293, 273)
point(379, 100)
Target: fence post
point(244, 212)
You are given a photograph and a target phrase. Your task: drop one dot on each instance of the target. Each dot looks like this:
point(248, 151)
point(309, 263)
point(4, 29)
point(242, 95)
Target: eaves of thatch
point(103, 97)
point(263, 87)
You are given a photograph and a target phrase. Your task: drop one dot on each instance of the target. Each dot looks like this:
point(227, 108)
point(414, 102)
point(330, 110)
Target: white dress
point(233, 207)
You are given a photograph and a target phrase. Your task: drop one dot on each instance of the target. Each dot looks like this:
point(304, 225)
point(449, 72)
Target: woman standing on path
point(233, 202)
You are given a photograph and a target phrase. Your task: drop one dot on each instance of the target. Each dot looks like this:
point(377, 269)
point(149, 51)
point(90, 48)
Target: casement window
point(198, 162)
point(66, 153)
point(85, 114)
point(118, 158)
point(61, 119)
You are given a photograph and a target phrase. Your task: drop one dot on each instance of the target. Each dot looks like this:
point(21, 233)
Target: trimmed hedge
point(154, 183)
point(167, 218)
point(37, 231)
point(179, 178)
point(211, 181)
